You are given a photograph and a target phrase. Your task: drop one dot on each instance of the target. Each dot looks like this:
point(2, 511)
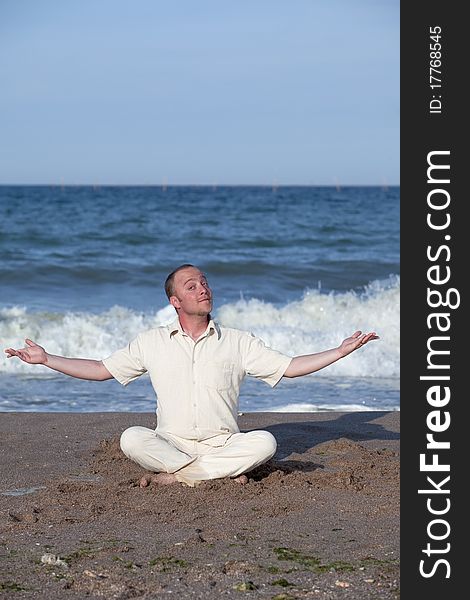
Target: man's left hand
point(357, 340)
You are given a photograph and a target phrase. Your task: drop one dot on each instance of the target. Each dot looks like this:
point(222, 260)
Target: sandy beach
point(320, 520)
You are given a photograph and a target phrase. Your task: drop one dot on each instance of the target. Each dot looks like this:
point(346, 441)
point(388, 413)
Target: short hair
point(169, 287)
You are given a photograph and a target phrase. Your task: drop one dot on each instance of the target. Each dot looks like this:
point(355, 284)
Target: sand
point(320, 520)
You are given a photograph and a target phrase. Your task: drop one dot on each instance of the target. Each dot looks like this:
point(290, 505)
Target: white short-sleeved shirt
point(197, 383)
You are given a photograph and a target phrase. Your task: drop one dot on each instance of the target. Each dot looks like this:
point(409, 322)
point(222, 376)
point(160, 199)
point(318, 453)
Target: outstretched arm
point(309, 363)
point(82, 368)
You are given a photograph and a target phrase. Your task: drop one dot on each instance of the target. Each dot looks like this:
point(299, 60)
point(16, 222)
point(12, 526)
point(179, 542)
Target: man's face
point(192, 294)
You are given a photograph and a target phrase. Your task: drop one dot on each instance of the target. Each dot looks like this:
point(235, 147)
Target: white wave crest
point(314, 323)
point(78, 335)
point(320, 321)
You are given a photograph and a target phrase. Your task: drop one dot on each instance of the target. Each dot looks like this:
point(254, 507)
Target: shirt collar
point(212, 326)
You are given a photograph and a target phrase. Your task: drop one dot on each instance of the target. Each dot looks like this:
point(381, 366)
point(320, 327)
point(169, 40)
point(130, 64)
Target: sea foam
point(315, 322)
point(320, 321)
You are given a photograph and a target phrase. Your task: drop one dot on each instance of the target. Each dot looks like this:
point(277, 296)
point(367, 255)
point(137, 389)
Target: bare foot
point(158, 478)
point(241, 479)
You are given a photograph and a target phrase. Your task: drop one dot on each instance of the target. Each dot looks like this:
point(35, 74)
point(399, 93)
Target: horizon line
point(205, 185)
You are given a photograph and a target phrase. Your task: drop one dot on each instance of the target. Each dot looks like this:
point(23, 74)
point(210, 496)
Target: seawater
point(82, 271)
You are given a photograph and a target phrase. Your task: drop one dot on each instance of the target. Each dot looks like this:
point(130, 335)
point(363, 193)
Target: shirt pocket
point(218, 375)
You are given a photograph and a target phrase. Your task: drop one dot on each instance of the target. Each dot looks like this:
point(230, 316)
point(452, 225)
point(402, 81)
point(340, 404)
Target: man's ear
point(175, 302)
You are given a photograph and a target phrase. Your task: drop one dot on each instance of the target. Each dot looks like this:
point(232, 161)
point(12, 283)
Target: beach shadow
point(301, 436)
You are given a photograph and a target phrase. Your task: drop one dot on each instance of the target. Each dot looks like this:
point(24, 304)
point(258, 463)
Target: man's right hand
point(32, 353)
point(83, 368)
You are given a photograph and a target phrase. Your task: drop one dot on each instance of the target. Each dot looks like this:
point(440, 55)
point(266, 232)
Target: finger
point(30, 342)
point(368, 338)
point(361, 340)
point(356, 334)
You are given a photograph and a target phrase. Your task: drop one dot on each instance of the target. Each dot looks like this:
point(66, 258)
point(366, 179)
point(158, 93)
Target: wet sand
point(320, 520)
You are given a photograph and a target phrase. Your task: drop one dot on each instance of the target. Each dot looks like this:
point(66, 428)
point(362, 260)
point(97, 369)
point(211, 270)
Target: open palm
point(355, 341)
point(32, 353)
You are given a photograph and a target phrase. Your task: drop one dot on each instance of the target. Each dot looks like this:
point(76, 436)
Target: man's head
point(188, 291)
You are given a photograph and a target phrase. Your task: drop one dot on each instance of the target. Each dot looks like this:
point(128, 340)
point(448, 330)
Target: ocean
point(82, 271)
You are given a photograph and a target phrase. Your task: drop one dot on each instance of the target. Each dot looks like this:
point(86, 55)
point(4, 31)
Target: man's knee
point(267, 443)
point(131, 439)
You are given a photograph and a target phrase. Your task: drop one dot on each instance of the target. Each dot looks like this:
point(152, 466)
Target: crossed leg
point(191, 462)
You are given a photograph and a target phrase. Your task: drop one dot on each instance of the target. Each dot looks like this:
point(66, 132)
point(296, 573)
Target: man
point(196, 367)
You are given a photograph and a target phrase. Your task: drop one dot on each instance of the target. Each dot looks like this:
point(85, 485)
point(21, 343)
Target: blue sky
point(207, 92)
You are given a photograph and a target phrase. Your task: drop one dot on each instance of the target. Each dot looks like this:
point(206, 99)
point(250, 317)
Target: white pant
point(192, 461)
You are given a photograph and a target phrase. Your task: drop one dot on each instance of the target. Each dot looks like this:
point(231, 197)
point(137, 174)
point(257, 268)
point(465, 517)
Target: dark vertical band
point(433, 356)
